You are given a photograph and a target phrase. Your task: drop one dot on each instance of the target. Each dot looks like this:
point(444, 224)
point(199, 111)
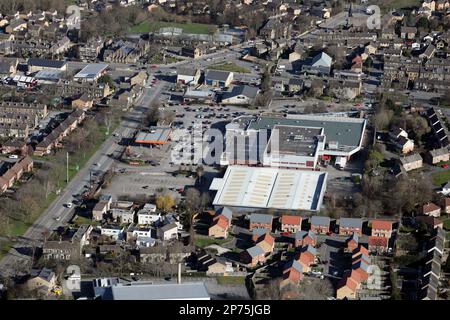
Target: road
point(57, 213)
point(100, 161)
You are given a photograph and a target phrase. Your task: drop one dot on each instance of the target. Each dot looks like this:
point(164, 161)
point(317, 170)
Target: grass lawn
point(231, 67)
point(203, 242)
point(239, 280)
point(18, 228)
point(76, 162)
point(5, 246)
point(439, 178)
point(78, 221)
point(152, 26)
point(158, 59)
point(447, 224)
point(398, 4)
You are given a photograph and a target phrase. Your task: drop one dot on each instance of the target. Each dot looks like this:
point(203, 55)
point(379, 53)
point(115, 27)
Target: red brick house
point(303, 238)
point(290, 223)
point(382, 228)
point(258, 220)
point(307, 257)
point(378, 244)
point(3, 185)
point(15, 146)
point(266, 242)
point(352, 242)
point(431, 209)
point(348, 226)
point(320, 225)
point(253, 256)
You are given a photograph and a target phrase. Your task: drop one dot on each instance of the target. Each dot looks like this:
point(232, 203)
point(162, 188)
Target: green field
point(206, 241)
point(224, 280)
point(447, 224)
point(399, 4)
point(76, 162)
point(439, 178)
point(229, 66)
point(5, 246)
point(152, 26)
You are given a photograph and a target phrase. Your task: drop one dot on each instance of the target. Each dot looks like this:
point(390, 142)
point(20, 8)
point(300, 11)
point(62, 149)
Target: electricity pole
point(67, 166)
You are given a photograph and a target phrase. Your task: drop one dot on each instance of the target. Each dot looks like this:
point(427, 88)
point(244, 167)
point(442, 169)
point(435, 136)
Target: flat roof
point(346, 131)
point(46, 63)
point(264, 187)
point(91, 70)
point(171, 291)
point(295, 140)
point(155, 135)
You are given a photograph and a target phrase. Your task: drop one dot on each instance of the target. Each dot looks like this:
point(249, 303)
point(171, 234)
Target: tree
point(153, 115)
point(193, 204)
point(200, 170)
point(106, 79)
point(266, 81)
point(382, 119)
point(165, 202)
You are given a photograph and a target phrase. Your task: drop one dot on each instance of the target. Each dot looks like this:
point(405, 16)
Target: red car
point(445, 166)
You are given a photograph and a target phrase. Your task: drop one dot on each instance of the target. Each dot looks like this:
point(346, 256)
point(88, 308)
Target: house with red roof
point(347, 288)
point(378, 244)
point(431, 209)
point(290, 223)
point(352, 242)
point(351, 282)
point(219, 228)
point(221, 223)
point(304, 238)
point(292, 273)
point(382, 228)
point(307, 257)
point(266, 242)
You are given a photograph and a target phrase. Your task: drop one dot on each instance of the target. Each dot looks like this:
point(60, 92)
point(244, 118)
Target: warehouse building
point(91, 72)
point(255, 188)
point(328, 138)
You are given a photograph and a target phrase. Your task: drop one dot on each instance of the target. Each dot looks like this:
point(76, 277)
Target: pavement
point(57, 213)
point(100, 161)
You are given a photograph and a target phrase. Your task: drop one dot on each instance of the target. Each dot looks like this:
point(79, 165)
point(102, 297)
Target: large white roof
point(257, 187)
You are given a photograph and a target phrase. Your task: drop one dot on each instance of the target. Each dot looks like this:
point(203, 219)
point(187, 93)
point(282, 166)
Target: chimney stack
point(179, 273)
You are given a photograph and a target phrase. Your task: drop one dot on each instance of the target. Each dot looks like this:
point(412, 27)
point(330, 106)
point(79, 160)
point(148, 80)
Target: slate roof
point(351, 222)
point(320, 221)
point(46, 63)
point(217, 75)
point(261, 218)
point(255, 251)
point(247, 91)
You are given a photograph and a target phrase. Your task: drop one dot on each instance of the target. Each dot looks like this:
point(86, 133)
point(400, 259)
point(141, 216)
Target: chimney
point(179, 273)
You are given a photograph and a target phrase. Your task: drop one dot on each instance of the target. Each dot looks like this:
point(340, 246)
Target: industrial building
point(247, 188)
point(249, 141)
point(91, 72)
